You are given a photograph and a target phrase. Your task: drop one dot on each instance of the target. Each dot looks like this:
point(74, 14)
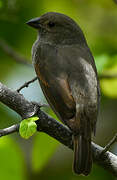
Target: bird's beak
point(35, 23)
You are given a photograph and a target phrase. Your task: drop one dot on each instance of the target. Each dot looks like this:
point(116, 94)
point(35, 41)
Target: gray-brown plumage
point(67, 75)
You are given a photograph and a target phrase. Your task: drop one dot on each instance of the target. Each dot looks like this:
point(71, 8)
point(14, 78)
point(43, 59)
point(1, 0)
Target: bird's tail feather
point(82, 155)
point(82, 148)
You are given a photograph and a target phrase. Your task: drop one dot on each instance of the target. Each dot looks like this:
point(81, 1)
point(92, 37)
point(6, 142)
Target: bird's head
point(57, 28)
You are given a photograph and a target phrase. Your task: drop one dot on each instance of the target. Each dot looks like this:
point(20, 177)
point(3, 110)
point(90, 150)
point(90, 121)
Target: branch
point(12, 53)
point(112, 141)
point(26, 84)
point(9, 130)
point(107, 76)
point(47, 124)
point(17, 102)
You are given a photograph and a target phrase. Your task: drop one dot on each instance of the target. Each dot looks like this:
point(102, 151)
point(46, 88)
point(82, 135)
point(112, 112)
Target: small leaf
point(35, 118)
point(27, 128)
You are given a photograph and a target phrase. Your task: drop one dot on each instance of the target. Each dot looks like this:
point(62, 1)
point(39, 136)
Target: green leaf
point(43, 149)
point(35, 118)
point(28, 127)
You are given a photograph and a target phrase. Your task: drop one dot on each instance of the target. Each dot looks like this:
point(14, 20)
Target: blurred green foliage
point(43, 147)
point(12, 164)
point(41, 157)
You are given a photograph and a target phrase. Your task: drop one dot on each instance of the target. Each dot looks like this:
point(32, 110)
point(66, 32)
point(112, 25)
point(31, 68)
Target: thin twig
point(112, 141)
point(9, 130)
point(107, 76)
point(26, 84)
point(12, 53)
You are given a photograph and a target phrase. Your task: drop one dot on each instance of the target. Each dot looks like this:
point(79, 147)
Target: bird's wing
point(54, 81)
point(82, 80)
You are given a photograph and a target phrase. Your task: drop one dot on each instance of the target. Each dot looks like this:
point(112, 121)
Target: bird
point(68, 77)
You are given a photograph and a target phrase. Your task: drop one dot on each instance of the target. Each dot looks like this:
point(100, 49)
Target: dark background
point(42, 157)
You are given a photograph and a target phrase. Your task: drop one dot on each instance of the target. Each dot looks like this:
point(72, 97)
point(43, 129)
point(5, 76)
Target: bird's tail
point(82, 151)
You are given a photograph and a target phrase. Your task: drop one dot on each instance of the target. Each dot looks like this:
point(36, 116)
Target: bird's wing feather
point(54, 82)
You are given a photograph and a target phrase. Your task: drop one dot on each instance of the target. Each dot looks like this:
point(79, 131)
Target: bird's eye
point(51, 24)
